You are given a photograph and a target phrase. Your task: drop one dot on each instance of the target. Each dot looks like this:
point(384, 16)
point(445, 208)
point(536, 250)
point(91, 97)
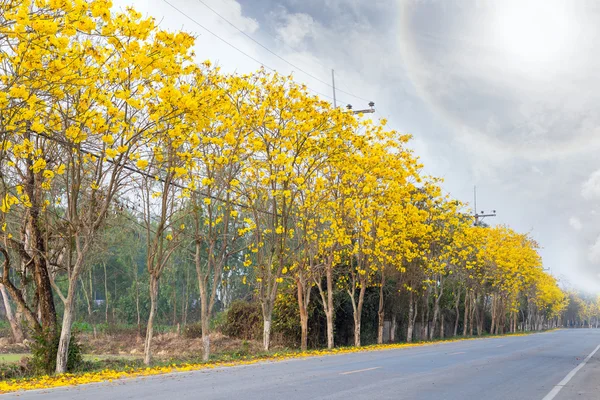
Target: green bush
point(12, 371)
point(193, 331)
point(5, 329)
point(286, 318)
point(243, 321)
point(218, 321)
point(43, 353)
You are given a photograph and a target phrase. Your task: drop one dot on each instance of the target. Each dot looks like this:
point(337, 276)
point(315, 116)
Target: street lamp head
point(349, 106)
point(371, 104)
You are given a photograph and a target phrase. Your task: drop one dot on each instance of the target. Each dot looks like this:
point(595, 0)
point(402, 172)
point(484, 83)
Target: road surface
point(555, 365)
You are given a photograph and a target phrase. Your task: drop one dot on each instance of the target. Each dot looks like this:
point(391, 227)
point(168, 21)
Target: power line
point(245, 53)
point(316, 61)
point(287, 45)
point(275, 54)
point(128, 167)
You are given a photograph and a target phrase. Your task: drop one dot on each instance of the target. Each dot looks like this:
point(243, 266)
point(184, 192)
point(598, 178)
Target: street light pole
point(367, 111)
point(481, 215)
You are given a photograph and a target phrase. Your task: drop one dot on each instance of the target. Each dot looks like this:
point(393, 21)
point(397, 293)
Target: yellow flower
point(61, 169)
point(111, 153)
point(108, 139)
point(48, 174)
point(207, 201)
point(142, 164)
point(38, 165)
point(37, 127)
point(179, 171)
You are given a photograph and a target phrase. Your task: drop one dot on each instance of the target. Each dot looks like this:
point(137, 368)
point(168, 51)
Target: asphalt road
point(550, 366)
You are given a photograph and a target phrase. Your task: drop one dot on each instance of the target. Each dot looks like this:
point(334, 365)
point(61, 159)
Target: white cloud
point(591, 188)
point(575, 223)
point(296, 28)
point(594, 252)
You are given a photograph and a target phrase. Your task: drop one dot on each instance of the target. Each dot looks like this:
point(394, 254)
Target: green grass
point(11, 357)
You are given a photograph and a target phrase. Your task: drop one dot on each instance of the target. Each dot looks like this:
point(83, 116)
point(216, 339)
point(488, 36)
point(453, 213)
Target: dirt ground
point(168, 345)
point(7, 347)
point(165, 345)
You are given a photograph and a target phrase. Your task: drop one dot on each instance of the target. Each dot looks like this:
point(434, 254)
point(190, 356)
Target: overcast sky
point(502, 95)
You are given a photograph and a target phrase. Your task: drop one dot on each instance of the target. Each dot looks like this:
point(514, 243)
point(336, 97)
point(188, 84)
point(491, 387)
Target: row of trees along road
point(117, 147)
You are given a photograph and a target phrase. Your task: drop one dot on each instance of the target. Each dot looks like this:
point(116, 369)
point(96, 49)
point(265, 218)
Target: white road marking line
point(358, 370)
point(459, 352)
point(569, 376)
point(500, 345)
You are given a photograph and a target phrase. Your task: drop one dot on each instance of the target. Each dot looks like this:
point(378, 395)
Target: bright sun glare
point(532, 36)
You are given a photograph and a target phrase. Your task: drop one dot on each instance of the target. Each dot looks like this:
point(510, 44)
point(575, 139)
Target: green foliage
point(218, 321)
point(286, 318)
point(44, 349)
point(4, 328)
point(12, 371)
point(244, 321)
point(193, 331)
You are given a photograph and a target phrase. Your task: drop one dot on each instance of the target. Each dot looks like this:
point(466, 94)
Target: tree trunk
point(411, 317)
point(15, 324)
point(425, 317)
point(62, 356)
point(204, 315)
point(436, 312)
point(493, 326)
point(472, 309)
point(457, 311)
point(381, 311)
point(205, 335)
point(480, 304)
point(150, 327)
point(466, 313)
point(393, 329)
point(303, 314)
point(267, 314)
point(329, 317)
point(105, 295)
point(328, 301)
point(358, 314)
point(36, 241)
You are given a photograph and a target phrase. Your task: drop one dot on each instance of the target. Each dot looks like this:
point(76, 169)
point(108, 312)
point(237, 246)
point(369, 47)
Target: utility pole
point(333, 85)
point(349, 106)
point(482, 214)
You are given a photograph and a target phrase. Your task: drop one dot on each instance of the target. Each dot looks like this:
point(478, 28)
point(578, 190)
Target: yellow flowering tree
point(220, 150)
point(287, 128)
